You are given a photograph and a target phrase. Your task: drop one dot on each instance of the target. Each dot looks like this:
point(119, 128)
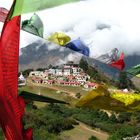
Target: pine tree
point(124, 81)
point(83, 64)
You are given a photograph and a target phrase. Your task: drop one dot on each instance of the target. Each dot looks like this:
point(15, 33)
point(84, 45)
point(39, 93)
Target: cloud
point(101, 24)
point(75, 57)
point(6, 3)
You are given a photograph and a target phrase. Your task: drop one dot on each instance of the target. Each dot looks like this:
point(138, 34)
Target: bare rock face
point(38, 55)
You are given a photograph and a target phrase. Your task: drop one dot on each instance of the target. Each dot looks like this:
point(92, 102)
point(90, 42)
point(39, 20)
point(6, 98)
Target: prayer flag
point(26, 6)
point(78, 46)
point(119, 64)
point(12, 106)
point(134, 70)
point(112, 58)
point(3, 14)
point(33, 26)
point(60, 39)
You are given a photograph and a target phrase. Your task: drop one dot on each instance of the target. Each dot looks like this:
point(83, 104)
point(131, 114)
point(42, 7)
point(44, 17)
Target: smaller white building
point(36, 73)
point(59, 72)
point(125, 90)
point(76, 70)
point(52, 71)
point(67, 71)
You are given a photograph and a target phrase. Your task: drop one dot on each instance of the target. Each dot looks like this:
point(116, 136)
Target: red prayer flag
point(119, 64)
point(28, 134)
point(12, 106)
point(3, 14)
point(11, 111)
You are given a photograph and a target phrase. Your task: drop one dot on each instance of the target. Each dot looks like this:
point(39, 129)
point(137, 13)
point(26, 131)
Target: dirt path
point(97, 133)
point(83, 132)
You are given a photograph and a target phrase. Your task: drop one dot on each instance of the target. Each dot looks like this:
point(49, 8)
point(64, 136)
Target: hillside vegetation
point(52, 120)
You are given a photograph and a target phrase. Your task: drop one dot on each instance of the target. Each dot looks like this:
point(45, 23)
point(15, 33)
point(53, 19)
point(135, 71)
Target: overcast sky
point(101, 24)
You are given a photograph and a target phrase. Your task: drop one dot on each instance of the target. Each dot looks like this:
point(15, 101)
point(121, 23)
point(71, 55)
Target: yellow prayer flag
point(60, 39)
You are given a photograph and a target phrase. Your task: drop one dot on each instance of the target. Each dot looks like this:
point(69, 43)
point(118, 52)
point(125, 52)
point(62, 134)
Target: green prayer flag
point(33, 26)
point(26, 6)
point(40, 98)
point(134, 70)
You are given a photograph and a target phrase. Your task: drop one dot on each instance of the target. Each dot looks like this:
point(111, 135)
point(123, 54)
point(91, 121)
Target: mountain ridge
point(38, 55)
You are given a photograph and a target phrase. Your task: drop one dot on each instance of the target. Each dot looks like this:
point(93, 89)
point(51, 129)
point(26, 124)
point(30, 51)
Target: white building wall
point(59, 72)
point(52, 71)
point(35, 73)
point(67, 72)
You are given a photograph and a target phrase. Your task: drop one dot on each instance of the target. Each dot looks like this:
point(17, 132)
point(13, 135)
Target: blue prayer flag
point(78, 46)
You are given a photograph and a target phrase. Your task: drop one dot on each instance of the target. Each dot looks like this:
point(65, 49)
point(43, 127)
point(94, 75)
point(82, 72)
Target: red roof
point(61, 81)
point(50, 81)
point(91, 84)
point(70, 76)
point(72, 83)
point(66, 67)
point(36, 78)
